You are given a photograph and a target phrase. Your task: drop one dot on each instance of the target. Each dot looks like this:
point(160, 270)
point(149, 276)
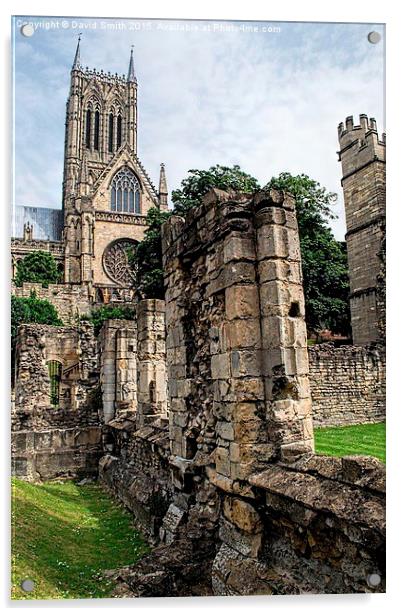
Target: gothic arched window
point(119, 132)
point(125, 195)
point(111, 132)
point(88, 128)
point(96, 131)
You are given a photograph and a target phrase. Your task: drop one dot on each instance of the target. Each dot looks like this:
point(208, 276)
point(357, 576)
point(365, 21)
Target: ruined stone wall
point(55, 440)
point(249, 508)
point(314, 526)
point(151, 357)
point(347, 384)
point(118, 362)
point(137, 470)
point(236, 337)
point(70, 300)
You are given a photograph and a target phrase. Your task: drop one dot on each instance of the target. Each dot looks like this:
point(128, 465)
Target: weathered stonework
point(70, 301)
point(60, 440)
point(362, 154)
point(151, 357)
point(236, 337)
point(347, 384)
point(249, 509)
point(118, 363)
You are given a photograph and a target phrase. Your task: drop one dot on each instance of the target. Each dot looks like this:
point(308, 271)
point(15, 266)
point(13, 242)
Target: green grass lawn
point(64, 536)
point(366, 439)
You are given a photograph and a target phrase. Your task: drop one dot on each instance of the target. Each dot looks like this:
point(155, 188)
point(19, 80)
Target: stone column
point(118, 367)
point(284, 337)
point(126, 369)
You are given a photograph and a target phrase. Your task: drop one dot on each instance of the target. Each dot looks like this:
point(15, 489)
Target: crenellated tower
point(106, 190)
point(362, 155)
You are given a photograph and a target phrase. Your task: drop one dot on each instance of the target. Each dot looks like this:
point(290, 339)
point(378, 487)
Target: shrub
point(37, 266)
point(102, 314)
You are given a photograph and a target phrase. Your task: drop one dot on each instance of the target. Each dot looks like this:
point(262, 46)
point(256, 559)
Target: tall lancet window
point(96, 131)
point(125, 195)
point(111, 132)
point(88, 127)
point(119, 128)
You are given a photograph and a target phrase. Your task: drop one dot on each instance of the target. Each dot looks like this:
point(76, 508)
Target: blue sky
point(208, 92)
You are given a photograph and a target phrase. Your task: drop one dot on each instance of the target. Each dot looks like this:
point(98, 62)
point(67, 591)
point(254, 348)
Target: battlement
point(106, 77)
point(349, 132)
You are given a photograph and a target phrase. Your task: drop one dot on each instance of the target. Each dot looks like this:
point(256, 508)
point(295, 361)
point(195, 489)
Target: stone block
point(222, 461)
point(225, 430)
point(245, 363)
point(246, 544)
point(238, 248)
point(242, 514)
point(220, 366)
point(240, 333)
point(242, 301)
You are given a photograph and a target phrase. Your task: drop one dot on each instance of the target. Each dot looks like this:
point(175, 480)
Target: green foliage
point(37, 266)
point(32, 310)
point(64, 536)
point(364, 440)
point(146, 260)
point(198, 183)
point(324, 259)
point(102, 314)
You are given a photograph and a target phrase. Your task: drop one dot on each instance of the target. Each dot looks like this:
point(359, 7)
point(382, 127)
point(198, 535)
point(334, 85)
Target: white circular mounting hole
point(374, 579)
point(27, 30)
point(374, 37)
point(28, 585)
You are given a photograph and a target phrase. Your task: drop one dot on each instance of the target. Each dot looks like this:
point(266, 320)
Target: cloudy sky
point(266, 96)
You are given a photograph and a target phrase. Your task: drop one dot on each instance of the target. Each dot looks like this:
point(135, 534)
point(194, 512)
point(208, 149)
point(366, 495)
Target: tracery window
point(119, 131)
point(88, 128)
point(96, 131)
point(125, 193)
point(111, 132)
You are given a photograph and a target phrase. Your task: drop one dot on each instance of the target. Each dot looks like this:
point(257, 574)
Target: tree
point(37, 266)
point(146, 260)
point(30, 310)
point(324, 259)
point(198, 183)
point(104, 313)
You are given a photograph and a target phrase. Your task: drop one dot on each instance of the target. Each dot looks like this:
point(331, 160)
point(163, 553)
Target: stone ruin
point(218, 468)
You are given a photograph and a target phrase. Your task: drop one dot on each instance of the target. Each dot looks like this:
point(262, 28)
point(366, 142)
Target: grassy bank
point(366, 439)
point(64, 536)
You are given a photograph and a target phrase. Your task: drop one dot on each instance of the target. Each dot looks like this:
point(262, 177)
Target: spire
point(163, 191)
point(77, 60)
point(131, 78)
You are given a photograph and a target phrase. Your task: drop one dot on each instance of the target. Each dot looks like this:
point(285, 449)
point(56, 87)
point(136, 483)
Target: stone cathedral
point(106, 190)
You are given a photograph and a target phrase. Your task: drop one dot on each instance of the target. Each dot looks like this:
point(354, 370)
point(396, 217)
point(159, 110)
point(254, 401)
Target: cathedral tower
point(362, 155)
point(106, 190)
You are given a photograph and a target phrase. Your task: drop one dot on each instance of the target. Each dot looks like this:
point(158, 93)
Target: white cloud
point(270, 103)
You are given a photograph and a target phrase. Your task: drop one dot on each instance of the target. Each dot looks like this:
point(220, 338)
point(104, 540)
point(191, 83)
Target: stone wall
point(250, 508)
point(70, 300)
point(55, 440)
point(137, 470)
point(347, 384)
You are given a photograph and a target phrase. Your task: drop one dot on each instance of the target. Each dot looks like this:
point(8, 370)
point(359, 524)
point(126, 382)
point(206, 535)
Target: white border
point(385, 11)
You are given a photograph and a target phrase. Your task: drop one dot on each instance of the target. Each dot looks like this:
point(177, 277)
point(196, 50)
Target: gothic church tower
point(106, 190)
